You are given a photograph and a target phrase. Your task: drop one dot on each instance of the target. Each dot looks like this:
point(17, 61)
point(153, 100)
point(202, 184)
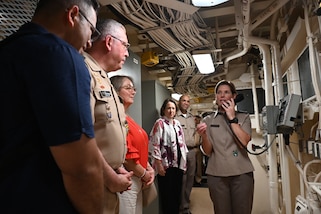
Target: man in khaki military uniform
point(199, 154)
point(108, 53)
point(188, 124)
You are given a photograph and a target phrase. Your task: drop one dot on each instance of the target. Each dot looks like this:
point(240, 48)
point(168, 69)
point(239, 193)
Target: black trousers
point(170, 189)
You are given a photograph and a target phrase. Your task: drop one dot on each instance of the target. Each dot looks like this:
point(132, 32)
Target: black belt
point(191, 147)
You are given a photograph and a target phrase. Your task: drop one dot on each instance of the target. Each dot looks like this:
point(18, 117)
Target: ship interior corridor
point(269, 49)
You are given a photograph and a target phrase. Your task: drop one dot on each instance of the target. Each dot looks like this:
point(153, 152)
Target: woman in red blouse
point(137, 151)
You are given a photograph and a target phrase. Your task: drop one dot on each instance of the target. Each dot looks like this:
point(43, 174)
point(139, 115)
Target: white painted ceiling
point(173, 30)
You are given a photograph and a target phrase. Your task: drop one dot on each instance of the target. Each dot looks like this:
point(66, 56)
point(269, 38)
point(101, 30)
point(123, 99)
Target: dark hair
point(162, 110)
point(228, 83)
point(118, 81)
point(184, 95)
point(53, 6)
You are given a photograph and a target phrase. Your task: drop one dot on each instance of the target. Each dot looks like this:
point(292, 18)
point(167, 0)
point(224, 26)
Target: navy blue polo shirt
point(45, 96)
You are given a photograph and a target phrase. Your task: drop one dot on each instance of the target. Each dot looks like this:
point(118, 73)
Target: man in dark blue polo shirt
point(49, 161)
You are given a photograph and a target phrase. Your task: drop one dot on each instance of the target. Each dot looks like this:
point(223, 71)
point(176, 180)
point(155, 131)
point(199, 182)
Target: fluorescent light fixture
point(207, 3)
point(204, 63)
point(176, 96)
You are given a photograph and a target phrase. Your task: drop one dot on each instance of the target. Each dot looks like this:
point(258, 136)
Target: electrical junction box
point(281, 119)
point(301, 206)
point(309, 147)
point(315, 205)
point(269, 119)
point(149, 59)
point(288, 108)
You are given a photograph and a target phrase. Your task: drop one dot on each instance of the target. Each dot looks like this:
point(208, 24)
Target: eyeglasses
point(125, 44)
point(128, 87)
point(95, 32)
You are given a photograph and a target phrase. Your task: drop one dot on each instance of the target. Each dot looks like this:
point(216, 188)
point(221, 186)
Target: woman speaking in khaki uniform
point(225, 135)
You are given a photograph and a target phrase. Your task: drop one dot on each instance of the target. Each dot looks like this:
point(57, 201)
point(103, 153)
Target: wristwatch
point(234, 120)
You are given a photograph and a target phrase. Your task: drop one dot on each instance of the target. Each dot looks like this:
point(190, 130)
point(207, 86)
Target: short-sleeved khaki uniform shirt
point(110, 124)
point(108, 115)
point(188, 125)
point(227, 158)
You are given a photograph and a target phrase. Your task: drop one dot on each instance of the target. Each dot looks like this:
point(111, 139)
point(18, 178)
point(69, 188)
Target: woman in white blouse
point(168, 156)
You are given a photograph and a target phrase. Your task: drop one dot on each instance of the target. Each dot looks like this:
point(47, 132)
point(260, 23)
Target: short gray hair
point(109, 27)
